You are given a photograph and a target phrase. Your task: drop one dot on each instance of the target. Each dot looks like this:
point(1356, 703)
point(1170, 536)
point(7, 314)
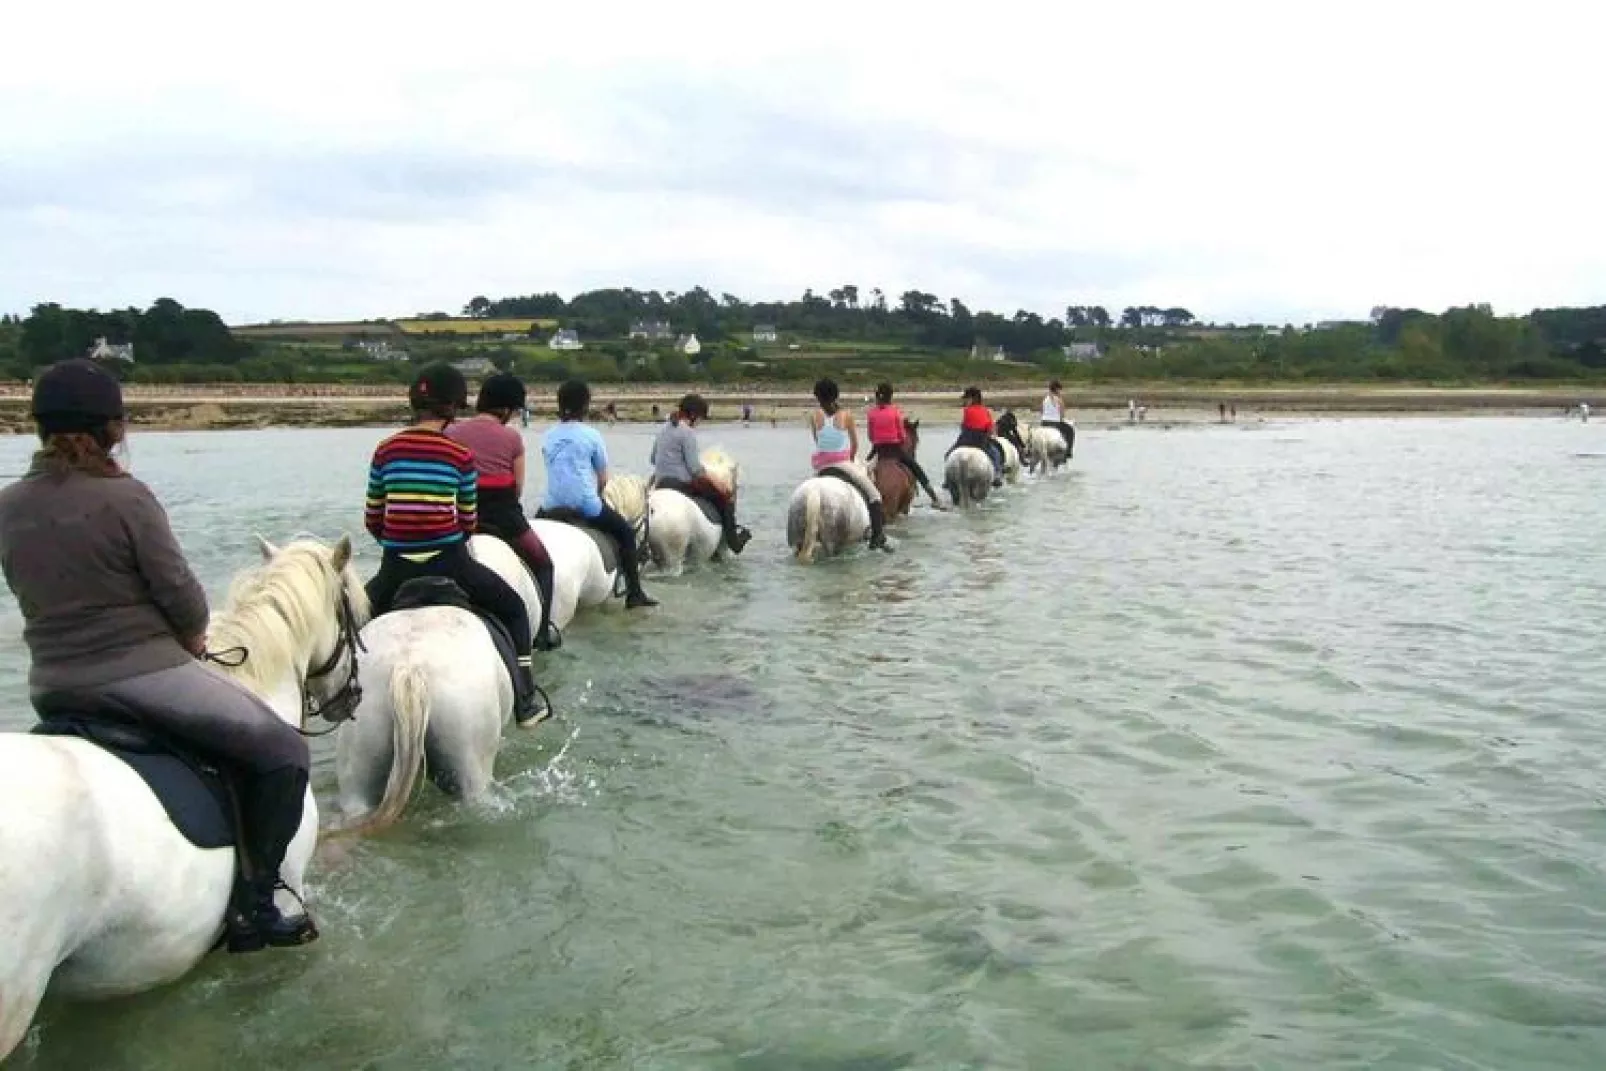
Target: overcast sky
point(1293, 160)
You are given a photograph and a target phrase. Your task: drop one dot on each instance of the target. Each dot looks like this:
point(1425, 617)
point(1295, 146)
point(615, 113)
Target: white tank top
point(1052, 409)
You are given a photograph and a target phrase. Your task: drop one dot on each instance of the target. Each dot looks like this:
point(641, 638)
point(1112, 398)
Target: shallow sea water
point(1251, 746)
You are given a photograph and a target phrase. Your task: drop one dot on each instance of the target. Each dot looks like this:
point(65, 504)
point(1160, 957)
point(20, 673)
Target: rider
point(836, 442)
point(577, 470)
point(889, 438)
point(1054, 416)
point(422, 506)
point(677, 465)
point(976, 429)
point(114, 618)
point(499, 459)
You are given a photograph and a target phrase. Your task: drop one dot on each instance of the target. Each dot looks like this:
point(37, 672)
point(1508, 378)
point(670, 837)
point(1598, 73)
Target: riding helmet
point(438, 386)
point(574, 399)
point(504, 390)
point(695, 406)
point(76, 395)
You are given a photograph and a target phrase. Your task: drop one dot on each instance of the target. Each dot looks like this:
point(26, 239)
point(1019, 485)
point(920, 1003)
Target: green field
point(514, 325)
point(290, 331)
point(456, 327)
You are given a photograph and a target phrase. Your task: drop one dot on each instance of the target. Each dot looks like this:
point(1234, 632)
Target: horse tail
point(409, 705)
point(811, 524)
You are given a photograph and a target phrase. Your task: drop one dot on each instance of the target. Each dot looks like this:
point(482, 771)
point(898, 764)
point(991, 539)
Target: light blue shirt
point(574, 456)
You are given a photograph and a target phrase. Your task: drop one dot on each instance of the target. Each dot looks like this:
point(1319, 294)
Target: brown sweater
point(103, 587)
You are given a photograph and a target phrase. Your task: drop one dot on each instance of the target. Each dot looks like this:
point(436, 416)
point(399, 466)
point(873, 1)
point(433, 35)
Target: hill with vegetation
point(640, 336)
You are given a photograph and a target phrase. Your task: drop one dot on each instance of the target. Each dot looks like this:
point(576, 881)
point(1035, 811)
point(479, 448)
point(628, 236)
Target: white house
point(766, 333)
point(689, 345)
point(1083, 352)
point(566, 338)
point(106, 351)
point(380, 351)
point(653, 330)
point(474, 366)
point(980, 351)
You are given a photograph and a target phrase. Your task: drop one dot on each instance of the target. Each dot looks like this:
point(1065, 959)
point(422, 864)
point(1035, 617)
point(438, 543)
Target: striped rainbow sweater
point(423, 492)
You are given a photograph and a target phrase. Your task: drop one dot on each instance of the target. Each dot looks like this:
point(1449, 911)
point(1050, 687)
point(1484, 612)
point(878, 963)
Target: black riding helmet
point(695, 406)
point(574, 400)
point(504, 390)
point(883, 393)
point(76, 395)
point(972, 394)
point(439, 389)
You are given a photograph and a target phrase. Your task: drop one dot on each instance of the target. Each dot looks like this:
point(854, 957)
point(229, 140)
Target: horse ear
point(342, 553)
point(268, 549)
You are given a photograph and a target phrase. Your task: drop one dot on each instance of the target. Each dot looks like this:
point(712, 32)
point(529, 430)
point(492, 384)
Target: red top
point(496, 447)
point(886, 425)
point(977, 418)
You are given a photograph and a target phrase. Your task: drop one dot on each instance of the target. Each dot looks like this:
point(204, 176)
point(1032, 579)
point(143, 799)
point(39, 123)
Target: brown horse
point(895, 482)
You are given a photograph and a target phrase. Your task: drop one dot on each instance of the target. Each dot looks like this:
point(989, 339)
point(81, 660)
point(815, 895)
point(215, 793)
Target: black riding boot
point(635, 596)
point(529, 705)
point(736, 536)
point(547, 636)
point(878, 531)
point(272, 805)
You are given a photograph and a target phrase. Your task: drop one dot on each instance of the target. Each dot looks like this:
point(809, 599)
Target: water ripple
point(1224, 750)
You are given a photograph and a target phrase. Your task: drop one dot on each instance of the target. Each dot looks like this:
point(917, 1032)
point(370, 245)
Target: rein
point(346, 699)
point(338, 707)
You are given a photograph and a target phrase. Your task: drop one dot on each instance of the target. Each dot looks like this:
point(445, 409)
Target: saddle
point(425, 591)
point(832, 470)
point(197, 793)
point(1059, 433)
point(701, 499)
point(606, 545)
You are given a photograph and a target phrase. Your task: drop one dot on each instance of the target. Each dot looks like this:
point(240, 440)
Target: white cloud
point(1247, 160)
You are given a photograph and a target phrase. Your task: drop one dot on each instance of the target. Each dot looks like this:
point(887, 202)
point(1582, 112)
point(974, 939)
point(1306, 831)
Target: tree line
point(913, 334)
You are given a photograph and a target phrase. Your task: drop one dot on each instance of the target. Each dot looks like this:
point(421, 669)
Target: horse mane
point(626, 494)
point(721, 468)
point(271, 608)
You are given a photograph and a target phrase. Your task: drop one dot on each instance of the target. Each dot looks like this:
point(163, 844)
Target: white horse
point(434, 683)
point(1012, 467)
point(1046, 449)
point(678, 531)
point(100, 894)
point(827, 512)
point(968, 475)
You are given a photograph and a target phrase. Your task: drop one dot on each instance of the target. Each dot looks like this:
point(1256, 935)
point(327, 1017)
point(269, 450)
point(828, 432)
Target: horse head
point(722, 469)
point(626, 495)
point(911, 428)
point(296, 617)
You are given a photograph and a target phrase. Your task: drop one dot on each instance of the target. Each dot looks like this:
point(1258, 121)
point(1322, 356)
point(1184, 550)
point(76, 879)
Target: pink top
point(496, 447)
point(886, 425)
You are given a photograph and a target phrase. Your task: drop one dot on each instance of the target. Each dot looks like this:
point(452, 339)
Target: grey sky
point(1269, 161)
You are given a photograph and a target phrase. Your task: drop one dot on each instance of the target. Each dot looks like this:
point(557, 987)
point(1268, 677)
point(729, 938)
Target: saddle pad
point(193, 795)
point(708, 508)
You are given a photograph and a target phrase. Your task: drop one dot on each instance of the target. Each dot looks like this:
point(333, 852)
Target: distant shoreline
point(217, 407)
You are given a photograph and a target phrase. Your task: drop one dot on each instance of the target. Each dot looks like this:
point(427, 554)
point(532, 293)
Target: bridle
point(343, 704)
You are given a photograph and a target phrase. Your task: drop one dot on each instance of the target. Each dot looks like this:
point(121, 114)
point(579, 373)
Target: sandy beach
point(214, 407)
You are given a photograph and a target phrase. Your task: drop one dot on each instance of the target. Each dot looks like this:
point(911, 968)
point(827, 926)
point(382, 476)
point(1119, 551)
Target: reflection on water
point(1222, 749)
